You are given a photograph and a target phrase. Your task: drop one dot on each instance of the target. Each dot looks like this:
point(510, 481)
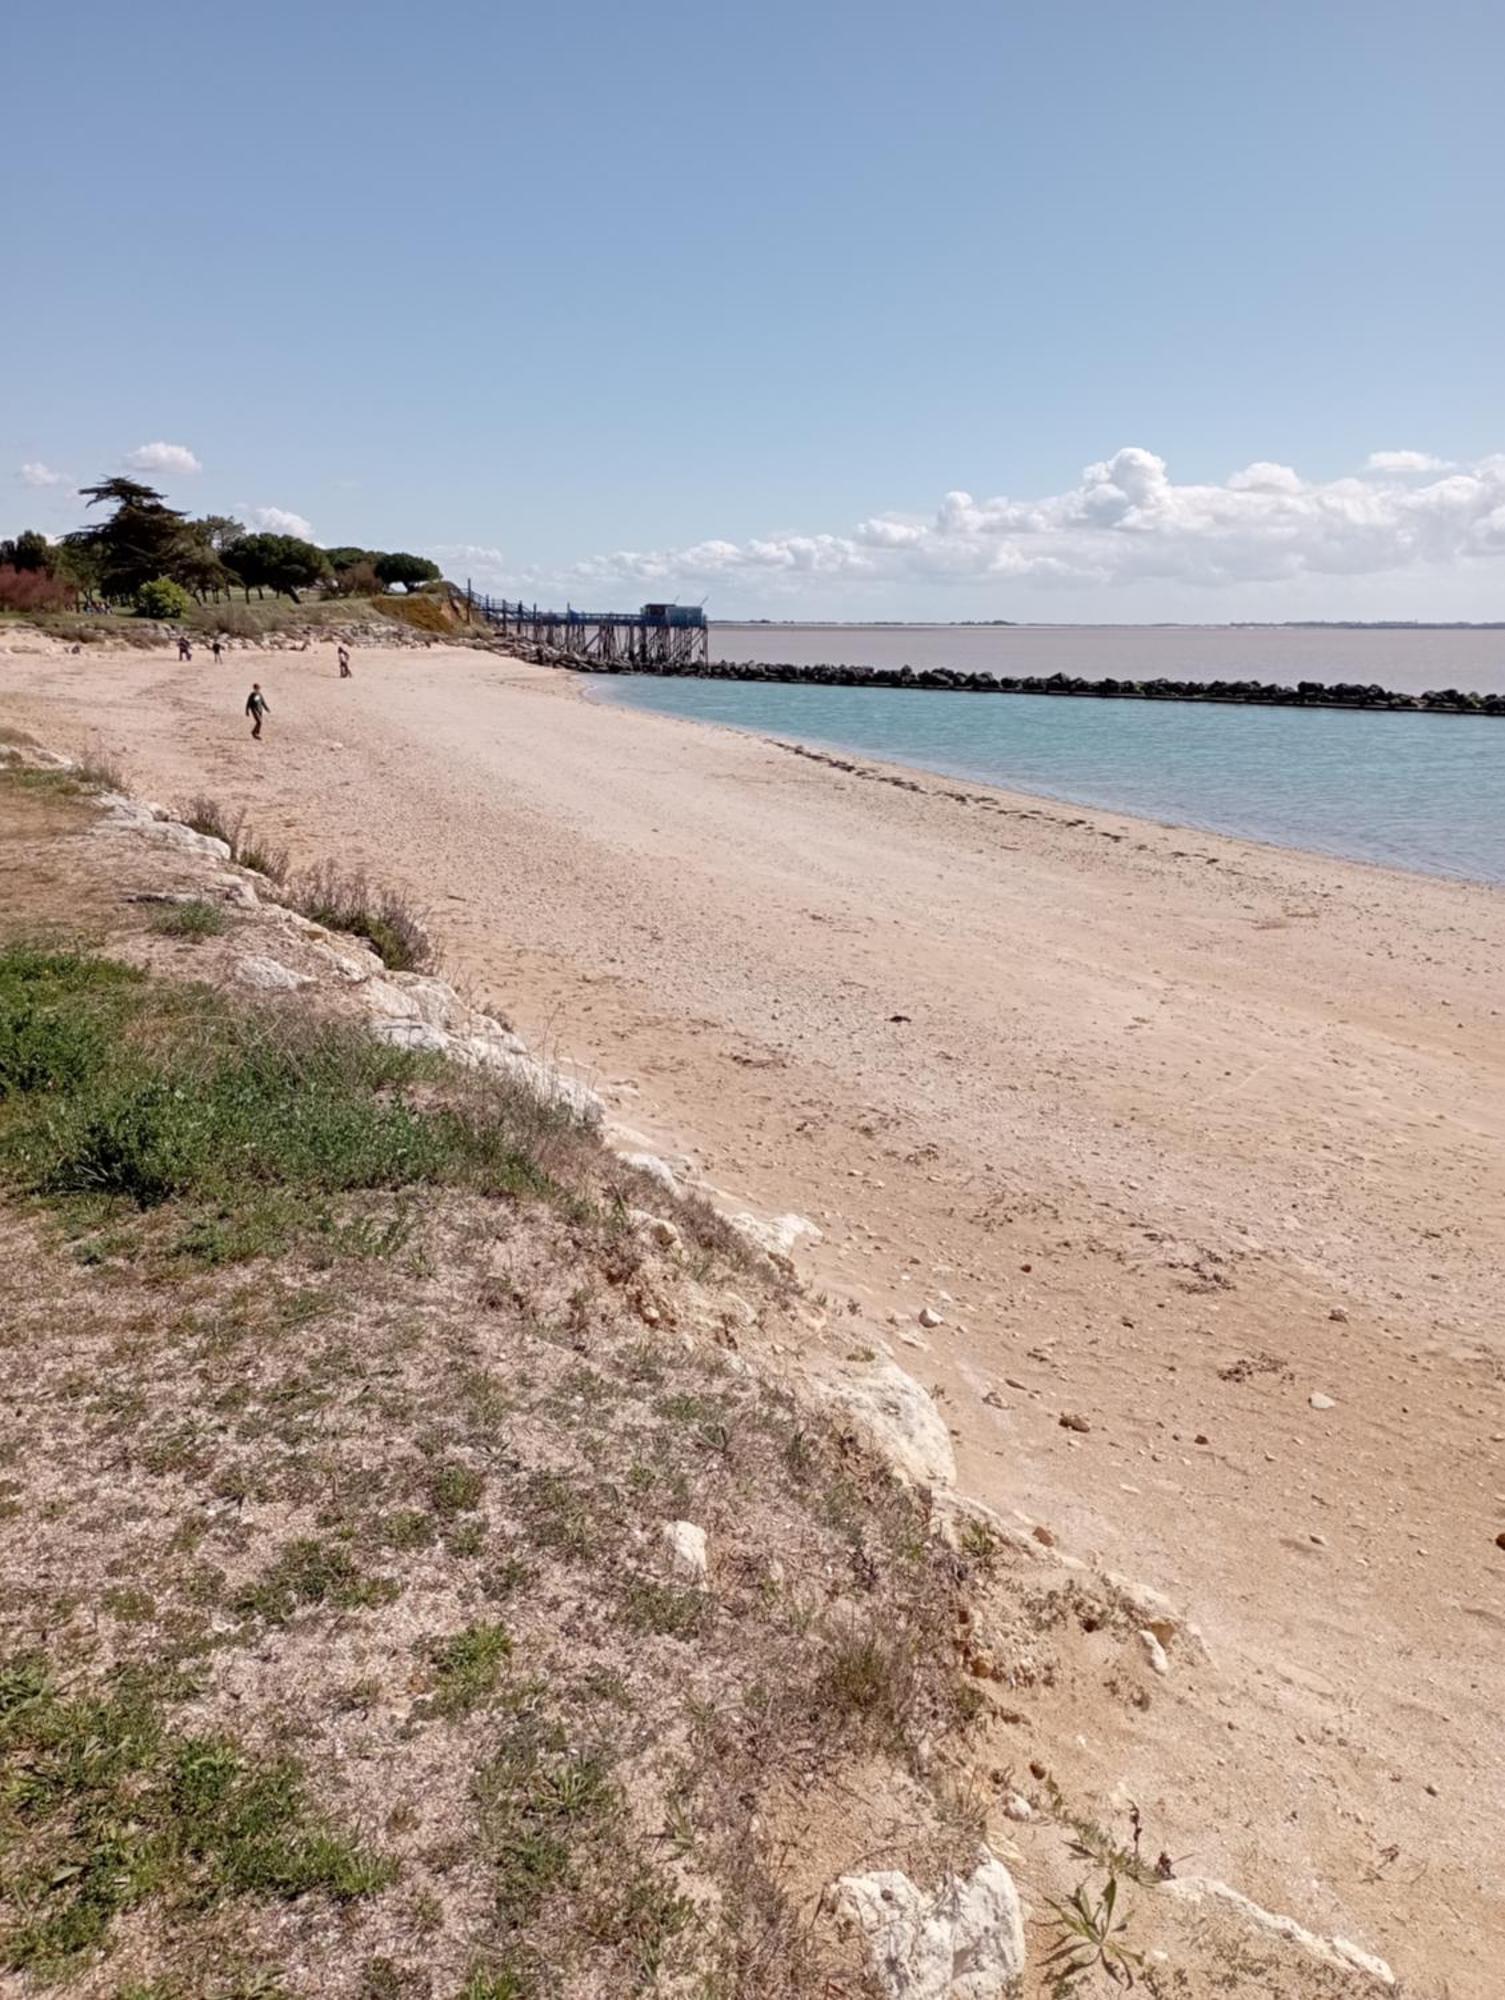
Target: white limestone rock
point(269, 975)
point(896, 1417)
point(687, 1549)
point(964, 1942)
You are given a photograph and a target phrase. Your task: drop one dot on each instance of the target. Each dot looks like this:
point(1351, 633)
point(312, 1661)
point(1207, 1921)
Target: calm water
point(1414, 791)
point(1409, 661)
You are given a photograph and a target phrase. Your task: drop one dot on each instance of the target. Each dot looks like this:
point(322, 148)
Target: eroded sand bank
point(1175, 1132)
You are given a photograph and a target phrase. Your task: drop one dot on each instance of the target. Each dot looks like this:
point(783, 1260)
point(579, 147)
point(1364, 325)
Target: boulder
point(896, 1417)
point(964, 1942)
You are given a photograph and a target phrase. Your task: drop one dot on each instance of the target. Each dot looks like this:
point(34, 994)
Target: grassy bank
point(344, 1651)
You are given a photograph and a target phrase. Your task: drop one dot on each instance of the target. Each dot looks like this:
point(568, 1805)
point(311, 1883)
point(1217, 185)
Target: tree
point(400, 567)
point(282, 563)
point(347, 557)
point(142, 540)
point(202, 565)
point(358, 580)
point(30, 551)
point(162, 598)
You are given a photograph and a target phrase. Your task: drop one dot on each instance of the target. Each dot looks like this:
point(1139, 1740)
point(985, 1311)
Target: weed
point(389, 921)
point(455, 1488)
point(247, 850)
point(105, 1809)
point(467, 1667)
point(310, 1572)
point(1089, 1937)
point(869, 1679)
point(194, 920)
point(650, 1606)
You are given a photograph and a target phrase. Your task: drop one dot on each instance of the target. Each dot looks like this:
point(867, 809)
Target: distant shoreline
point(1115, 625)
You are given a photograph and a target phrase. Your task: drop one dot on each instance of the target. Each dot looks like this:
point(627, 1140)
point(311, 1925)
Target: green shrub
point(163, 599)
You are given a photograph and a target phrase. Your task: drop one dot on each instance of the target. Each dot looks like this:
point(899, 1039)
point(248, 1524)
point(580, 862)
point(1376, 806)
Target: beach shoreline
point(854, 758)
point(1172, 1132)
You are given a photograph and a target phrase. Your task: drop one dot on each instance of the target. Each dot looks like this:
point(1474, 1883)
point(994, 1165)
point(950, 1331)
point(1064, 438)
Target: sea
point(1413, 791)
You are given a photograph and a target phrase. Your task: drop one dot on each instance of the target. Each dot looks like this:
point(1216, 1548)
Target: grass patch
point(136, 1092)
point(467, 1668)
point(387, 920)
point(557, 1835)
point(311, 1572)
point(193, 920)
point(105, 1809)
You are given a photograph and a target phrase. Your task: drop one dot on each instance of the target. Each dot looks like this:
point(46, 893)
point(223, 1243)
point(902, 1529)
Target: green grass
point(194, 921)
point(104, 1808)
point(467, 1668)
point(307, 1572)
point(140, 1093)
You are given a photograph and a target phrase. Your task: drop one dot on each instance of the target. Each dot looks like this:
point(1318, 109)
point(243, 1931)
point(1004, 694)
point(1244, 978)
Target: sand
point(1175, 1132)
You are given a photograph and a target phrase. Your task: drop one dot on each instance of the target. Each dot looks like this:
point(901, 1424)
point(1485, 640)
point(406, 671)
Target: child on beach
point(185, 651)
point(216, 649)
point(343, 654)
point(256, 707)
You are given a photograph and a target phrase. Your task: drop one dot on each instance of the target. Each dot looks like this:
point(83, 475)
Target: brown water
point(1410, 660)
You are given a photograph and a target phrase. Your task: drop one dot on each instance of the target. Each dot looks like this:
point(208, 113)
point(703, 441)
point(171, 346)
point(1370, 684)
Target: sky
point(1057, 309)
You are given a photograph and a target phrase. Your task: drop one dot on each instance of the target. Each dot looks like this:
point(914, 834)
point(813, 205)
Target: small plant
point(247, 849)
point(193, 921)
point(467, 1667)
point(1090, 1937)
point(163, 599)
point(391, 924)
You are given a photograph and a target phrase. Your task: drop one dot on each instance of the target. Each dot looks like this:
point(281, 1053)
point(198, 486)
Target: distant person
point(256, 707)
point(343, 654)
point(217, 649)
point(185, 651)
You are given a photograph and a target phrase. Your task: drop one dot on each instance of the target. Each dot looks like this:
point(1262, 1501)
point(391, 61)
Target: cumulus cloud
point(279, 521)
point(162, 457)
point(1127, 520)
point(1404, 461)
point(34, 473)
point(479, 561)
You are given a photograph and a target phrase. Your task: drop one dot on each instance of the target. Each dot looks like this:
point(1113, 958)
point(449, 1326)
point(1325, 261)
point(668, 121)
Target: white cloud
point(1404, 461)
point(279, 521)
point(477, 560)
point(1127, 521)
point(34, 473)
point(161, 457)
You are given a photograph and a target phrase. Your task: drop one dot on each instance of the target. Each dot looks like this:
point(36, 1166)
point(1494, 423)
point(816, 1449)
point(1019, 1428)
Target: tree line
point(147, 554)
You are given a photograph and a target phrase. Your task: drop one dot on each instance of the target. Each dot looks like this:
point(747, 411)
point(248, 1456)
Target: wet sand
point(1175, 1132)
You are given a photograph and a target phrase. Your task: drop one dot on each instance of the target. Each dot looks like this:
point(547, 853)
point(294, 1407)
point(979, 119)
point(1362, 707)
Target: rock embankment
point(946, 680)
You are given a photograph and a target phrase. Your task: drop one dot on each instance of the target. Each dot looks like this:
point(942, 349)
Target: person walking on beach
point(185, 651)
point(217, 649)
point(256, 707)
point(343, 655)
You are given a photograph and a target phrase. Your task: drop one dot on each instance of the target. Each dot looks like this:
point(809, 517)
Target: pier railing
point(661, 636)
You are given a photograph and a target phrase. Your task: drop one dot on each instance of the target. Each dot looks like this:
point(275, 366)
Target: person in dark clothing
point(256, 707)
point(217, 649)
point(343, 655)
point(185, 651)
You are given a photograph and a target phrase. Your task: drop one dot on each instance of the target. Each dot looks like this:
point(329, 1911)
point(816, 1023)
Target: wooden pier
point(657, 636)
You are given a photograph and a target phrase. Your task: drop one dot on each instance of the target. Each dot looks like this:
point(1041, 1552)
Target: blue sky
point(728, 301)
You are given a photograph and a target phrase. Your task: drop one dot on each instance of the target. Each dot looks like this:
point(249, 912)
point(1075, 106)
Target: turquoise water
point(1412, 791)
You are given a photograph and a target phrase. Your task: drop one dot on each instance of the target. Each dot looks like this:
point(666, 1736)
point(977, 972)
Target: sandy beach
point(1194, 1140)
